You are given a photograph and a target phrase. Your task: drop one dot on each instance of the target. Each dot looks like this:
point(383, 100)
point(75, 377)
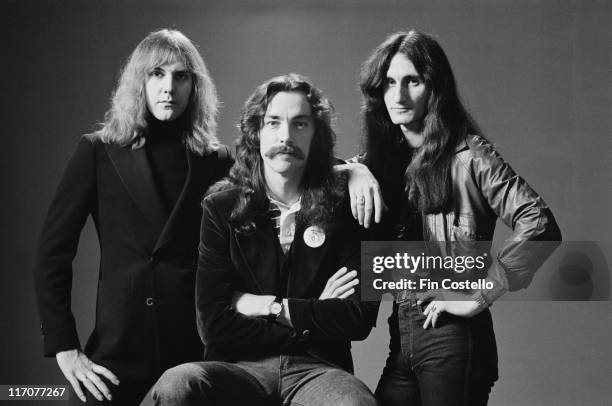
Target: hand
point(365, 194)
point(340, 285)
point(252, 305)
point(455, 303)
point(76, 367)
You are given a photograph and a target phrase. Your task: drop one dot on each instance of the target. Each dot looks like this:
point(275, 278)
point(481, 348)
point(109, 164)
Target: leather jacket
point(485, 188)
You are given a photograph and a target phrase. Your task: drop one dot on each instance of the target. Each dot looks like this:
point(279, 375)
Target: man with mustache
point(276, 306)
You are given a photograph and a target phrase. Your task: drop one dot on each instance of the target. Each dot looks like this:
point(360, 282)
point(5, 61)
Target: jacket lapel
point(258, 251)
point(194, 168)
point(305, 261)
point(136, 175)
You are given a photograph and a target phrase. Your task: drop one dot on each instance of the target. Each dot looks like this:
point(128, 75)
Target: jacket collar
point(461, 146)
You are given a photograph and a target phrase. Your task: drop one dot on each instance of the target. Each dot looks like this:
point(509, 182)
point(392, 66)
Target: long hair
point(426, 170)
point(125, 122)
point(321, 189)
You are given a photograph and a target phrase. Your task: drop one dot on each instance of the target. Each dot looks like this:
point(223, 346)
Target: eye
point(158, 73)
point(390, 82)
point(182, 76)
point(271, 123)
point(301, 125)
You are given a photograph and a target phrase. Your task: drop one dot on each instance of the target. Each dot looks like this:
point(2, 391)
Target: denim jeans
point(298, 380)
point(453, 364)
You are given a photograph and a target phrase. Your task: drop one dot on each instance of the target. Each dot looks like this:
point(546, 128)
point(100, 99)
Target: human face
point(406, 94)
point(168, 88)
point(286, 134)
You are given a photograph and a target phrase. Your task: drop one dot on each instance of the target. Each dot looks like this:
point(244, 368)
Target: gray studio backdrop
point(535, 74)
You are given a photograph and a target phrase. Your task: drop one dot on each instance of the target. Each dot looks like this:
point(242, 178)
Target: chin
point(165, 117)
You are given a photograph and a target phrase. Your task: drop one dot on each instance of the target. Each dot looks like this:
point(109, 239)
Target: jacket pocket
point(115, 313)
point(464, 228)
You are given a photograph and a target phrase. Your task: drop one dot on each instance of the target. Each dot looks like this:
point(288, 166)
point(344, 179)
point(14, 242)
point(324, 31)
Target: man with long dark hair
point(141, 178)
point(443, 182)
point(275, 314)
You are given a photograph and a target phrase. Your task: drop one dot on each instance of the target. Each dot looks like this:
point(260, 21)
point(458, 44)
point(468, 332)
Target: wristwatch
point(276, 308)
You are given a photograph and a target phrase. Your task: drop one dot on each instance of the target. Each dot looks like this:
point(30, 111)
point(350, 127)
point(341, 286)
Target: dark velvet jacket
point(230, 261)
point(145, 318)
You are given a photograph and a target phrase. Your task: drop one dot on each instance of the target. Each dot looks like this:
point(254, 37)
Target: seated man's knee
point(350, 390)
point(181, 384)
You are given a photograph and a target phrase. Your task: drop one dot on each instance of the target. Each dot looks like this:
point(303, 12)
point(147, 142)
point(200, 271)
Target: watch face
point(276, 308)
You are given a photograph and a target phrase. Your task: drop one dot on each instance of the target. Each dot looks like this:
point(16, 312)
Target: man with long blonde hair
point(141, 177)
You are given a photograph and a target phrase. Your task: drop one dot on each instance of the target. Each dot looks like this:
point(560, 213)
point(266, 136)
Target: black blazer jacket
point(231, 261)
point(145, 318)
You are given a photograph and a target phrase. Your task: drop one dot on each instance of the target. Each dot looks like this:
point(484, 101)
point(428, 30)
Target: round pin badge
point(314, 236)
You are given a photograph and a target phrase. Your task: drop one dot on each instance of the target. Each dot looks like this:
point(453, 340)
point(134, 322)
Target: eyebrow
point(277, 117)
point(159, 68)
point(407, 76)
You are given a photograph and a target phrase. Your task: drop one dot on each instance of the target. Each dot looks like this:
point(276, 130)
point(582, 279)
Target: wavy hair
point(125, 122)
point(322, 190)
point(425, 171)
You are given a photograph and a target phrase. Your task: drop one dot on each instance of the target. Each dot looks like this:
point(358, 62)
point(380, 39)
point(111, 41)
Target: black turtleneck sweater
point(168, 159)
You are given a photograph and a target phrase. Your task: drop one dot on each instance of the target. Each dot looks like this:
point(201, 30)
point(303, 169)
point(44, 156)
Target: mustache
point(285, 149)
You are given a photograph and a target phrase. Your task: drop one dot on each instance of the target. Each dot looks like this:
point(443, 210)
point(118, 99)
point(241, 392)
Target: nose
point(284, 133)
point(400, 94)
point(167, 84)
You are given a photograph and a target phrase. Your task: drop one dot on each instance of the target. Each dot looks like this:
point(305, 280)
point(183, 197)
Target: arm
point(535, 236)
point(340, 285)
point(336, 315)
point(219, 323)
point(535, 232)
point(73, 202)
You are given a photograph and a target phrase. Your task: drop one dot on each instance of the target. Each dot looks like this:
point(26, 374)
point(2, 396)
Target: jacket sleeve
point(219, 323)
point(535, 232)
point(73, 202)
point(333, 319)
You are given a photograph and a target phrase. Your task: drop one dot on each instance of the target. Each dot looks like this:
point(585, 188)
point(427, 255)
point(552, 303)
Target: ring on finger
point(361, 200)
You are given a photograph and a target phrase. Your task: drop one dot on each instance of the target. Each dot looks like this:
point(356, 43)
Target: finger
point(427, 321)
point(360, 210)
point(77, 387)
point(368, 209)
point(346, 294)
point(434, 318)
point(341, 289)
point(343, 280)
point(337, 275)
point(100, 385)
point(354, 205)
point(91, 388)
point(99, 369)
point(378, 203)
point(431, 306)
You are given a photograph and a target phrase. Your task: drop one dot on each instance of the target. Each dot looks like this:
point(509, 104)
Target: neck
point(285, 189)
point(165, 129)
point(414, 136)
